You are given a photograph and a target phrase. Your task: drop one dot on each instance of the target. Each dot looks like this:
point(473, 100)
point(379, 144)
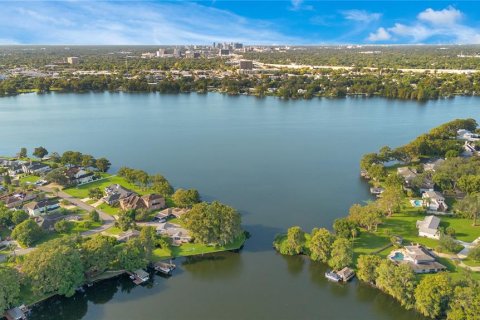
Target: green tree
point(6, 216)
point(213, 223)
point(343, 227)
point(95, 193)
point(103, 164)
point(341, 255)
point(62, 226)
point(465, 303)
point(98, 253)
point(433, 294)
point(54, 267)
point(321, 245)
point(40, 152)
point(27, 233)
point(132, 255)
point(22, 153)
point(161, 185)
point(88, 161)
point(18, 216)
point(9, 288)
point(126, 220)
point(391, 200)
point(469, 206)
point(186, 198)
point(57, 176)
point(94, 216)
point(367, 268)
point(474, 253)
point(148, 238)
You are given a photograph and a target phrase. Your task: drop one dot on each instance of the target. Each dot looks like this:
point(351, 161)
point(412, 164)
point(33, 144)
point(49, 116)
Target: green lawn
point(471, 263)
point(190, 249)
point(28, 178)
point(113, 231)
point(81, 192)
point(108, 209)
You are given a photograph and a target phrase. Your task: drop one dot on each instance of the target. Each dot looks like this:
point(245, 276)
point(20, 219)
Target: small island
point(65, 222)
point(419, 241)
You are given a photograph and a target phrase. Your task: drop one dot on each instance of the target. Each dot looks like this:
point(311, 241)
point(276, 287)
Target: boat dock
point(164, 267)
point(343, 275)
point(139, 276)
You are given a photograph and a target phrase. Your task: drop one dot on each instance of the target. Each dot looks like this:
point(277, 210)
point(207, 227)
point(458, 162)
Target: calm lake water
point(280, 163)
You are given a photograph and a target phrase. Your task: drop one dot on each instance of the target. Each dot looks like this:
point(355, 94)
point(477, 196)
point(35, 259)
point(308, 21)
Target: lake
point(280, 163)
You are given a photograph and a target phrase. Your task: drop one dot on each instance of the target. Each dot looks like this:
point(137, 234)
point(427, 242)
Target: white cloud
point(380, 35)
point(447, 16)
point(439, 25)
point(88, 22)
point(361, 16)
point(298, 5)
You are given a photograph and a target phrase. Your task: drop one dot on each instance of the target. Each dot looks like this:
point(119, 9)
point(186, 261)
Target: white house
point(434, 201)
point(463, 134)
point(41, 207)
point(35, 168)
point(428, 227)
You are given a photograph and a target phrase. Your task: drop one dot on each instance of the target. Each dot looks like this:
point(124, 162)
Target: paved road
point(108, 220)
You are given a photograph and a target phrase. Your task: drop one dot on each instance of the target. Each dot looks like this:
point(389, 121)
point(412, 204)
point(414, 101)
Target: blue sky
point(251, 22)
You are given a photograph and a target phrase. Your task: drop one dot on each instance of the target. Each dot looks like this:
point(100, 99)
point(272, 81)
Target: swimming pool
point(416, 203)
point(398, 256)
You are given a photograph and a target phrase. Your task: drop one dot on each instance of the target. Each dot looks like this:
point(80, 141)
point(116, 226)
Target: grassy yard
point(109, 209)
point(81, 192)
point(29, 179)
point(113, 231)
point(190, 249)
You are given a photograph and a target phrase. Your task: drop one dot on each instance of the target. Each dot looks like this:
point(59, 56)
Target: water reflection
point(214, 266)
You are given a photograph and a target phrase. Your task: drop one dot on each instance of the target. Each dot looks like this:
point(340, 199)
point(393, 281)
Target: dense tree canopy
point(9, 288)
point(213, 223)
point(54, 267)
point(321, 245)
point(186, 198)
point(27, 233)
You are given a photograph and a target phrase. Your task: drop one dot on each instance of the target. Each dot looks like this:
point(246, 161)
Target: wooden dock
point(164, 267)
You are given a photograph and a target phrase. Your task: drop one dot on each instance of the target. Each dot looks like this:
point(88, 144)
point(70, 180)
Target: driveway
point(108, 220)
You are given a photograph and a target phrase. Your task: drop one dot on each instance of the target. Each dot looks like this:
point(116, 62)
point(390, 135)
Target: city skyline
point(265, 23)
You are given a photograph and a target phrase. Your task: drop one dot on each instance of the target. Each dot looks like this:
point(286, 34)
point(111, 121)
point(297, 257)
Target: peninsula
point(66, 222)
point(419, 241)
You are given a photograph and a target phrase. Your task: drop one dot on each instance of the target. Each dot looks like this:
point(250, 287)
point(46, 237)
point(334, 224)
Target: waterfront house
point(175, 232)
point(78, 175)
point(35, 168)
point(467, 135)
point(426, 185)
point(175, 212)
point(433, 165)
point(418, 258)
point(147, 202)
point(428, 227)
point(41, 207)
point(434, 201)
point(15, 169)
point(407, 174)
point(115, 193)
